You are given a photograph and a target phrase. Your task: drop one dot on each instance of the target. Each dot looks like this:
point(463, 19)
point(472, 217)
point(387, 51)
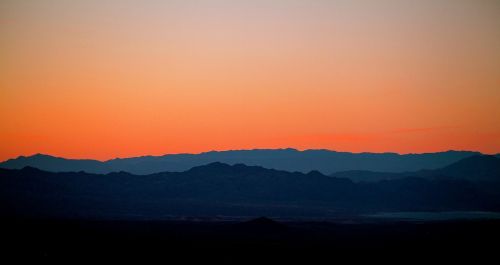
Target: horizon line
point(238, 150)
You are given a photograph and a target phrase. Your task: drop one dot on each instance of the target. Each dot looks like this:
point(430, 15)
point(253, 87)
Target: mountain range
point(325, 161)
point(474, 168)
point(470, 184)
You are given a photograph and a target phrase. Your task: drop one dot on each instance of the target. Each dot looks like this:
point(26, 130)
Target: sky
point(118, 78)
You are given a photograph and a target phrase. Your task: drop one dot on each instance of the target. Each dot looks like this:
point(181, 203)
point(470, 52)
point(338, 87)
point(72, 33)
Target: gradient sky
point(118, 78)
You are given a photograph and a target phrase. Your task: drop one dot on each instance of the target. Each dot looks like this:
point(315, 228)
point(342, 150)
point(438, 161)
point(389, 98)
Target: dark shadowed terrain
point(250, 242)
point(207, 214)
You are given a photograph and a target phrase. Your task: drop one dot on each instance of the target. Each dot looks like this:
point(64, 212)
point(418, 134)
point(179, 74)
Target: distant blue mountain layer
point(472, 184)
point(325, 161)
point(474, 168)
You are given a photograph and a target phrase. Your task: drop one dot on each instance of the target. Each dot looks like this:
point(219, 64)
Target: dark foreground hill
point(238, 190)
point(325, 161)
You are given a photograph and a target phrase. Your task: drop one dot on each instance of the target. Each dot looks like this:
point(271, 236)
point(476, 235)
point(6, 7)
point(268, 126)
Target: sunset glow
point(104, 79)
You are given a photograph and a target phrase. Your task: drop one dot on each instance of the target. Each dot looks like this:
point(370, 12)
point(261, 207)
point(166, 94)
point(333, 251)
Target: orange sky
point(120, 78)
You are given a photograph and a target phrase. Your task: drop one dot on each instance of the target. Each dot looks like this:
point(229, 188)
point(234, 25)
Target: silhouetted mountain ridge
point(324, 161)
point(222, 189)
point(485, 167)
point(475, 168)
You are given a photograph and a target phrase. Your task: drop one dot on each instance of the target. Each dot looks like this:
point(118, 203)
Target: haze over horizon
point(106, 79)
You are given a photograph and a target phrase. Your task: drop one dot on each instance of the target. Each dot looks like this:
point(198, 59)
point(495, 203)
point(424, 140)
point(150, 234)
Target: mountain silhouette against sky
point(325, 161)
point(222, 189)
